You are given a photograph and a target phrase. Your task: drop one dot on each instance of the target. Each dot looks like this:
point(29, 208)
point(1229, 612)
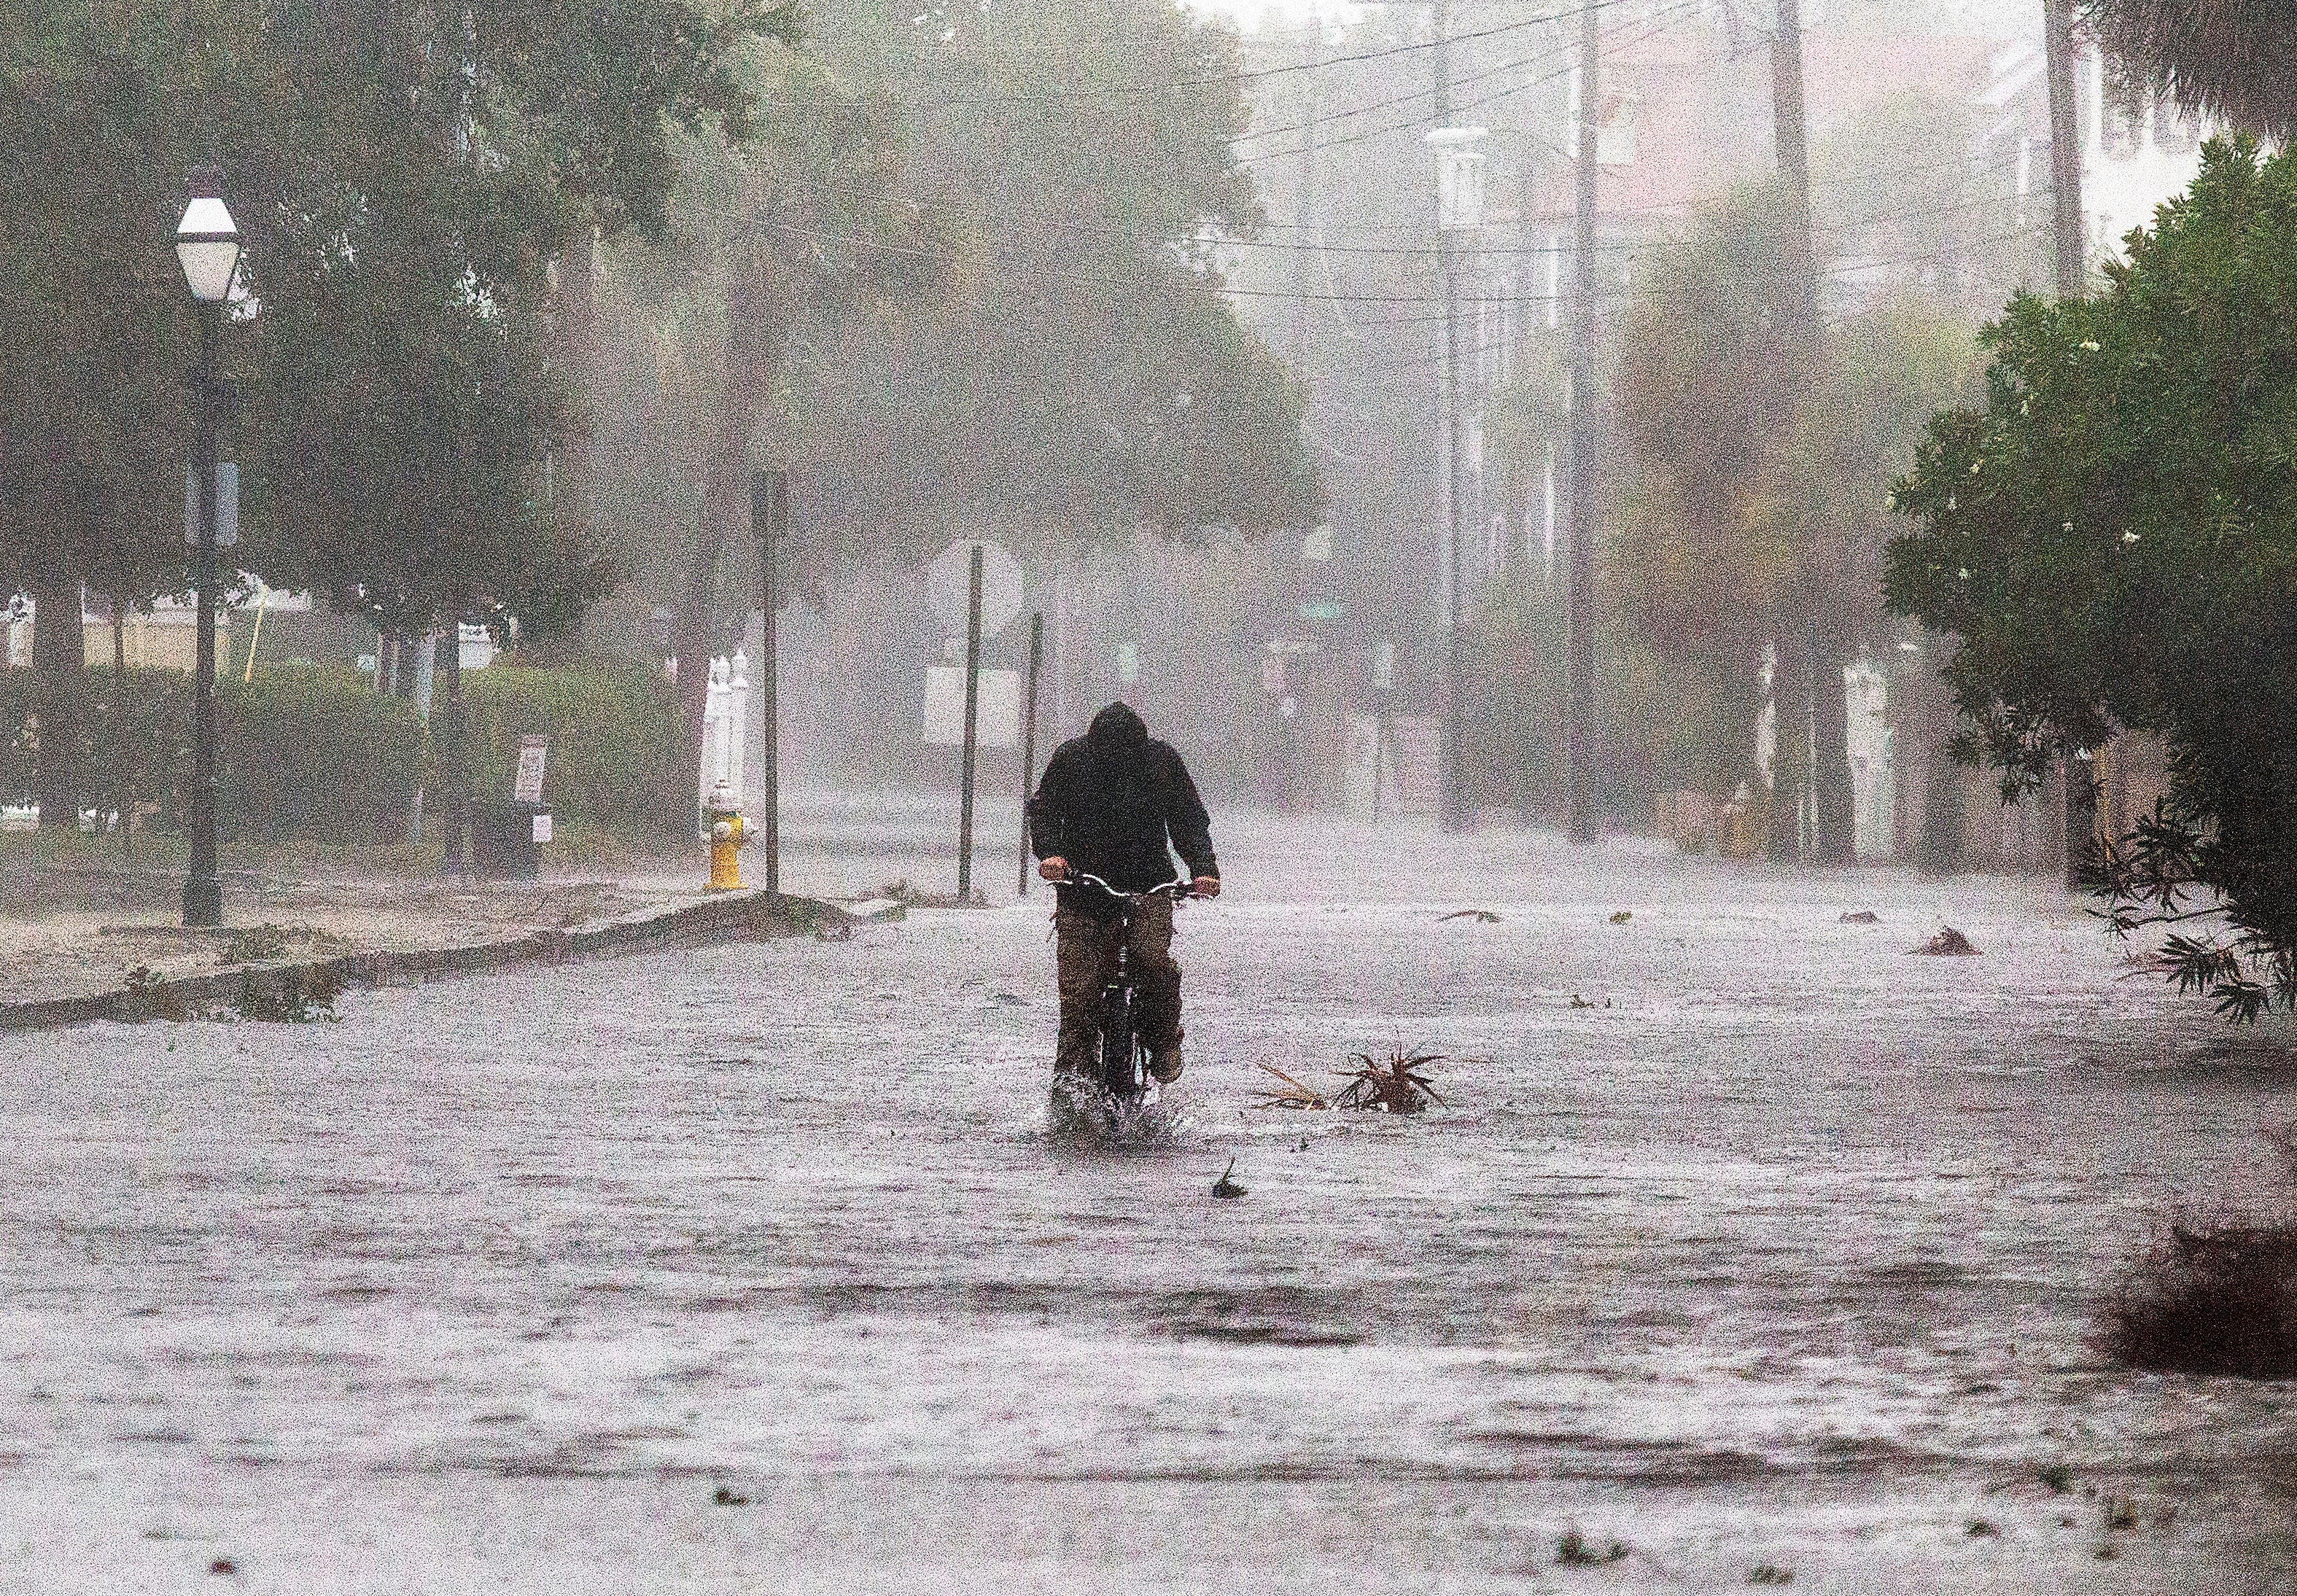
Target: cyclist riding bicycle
point(1117, 803)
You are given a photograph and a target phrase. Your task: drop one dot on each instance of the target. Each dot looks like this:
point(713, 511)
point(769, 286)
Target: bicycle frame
point(1124, 1064)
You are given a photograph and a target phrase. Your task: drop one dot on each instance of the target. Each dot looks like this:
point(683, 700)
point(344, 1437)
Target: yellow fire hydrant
point(725, 847)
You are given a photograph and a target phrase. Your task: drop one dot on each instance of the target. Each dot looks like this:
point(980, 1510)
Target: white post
point(737, 722)
point(714, 724)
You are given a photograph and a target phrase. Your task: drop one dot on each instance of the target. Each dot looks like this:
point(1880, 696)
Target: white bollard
point(737, 721)
point(712, 772)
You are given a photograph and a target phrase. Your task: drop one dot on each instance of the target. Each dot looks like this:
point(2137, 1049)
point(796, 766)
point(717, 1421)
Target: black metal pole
point(1029, 738)
point(1579, 604)
point(2072, 274)
point(770, 517)
point(203, 891)
point(1454, 807)
point(972, 747)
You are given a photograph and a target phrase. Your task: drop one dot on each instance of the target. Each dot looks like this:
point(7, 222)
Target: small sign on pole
point(951, 585)
point(997, 714)
point(527, 789)
point(227, 507)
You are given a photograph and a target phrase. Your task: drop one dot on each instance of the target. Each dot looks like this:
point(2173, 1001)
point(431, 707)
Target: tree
point(956, 291)
point(1759, 509)
point(2113, 537)
point(2236, 59)
point(1086, 378)
point(98, 337)
point(405, 175)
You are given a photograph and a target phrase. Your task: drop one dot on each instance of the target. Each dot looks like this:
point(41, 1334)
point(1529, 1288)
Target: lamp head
point(207, 240)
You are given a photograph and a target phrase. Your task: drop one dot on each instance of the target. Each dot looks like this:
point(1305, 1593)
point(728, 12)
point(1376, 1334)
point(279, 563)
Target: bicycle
point(1123, 1058)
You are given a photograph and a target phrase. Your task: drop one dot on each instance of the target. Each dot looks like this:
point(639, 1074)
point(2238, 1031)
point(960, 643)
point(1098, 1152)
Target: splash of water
point(1087, 1115)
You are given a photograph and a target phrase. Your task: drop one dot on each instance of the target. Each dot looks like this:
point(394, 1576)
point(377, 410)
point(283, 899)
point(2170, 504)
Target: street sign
point(527, 787)
point(949, 585)
point(226, 504)
point(1323, 609)
point(997, 718)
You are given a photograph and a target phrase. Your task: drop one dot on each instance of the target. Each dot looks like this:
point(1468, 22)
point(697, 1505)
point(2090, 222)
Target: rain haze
point(1079, 795)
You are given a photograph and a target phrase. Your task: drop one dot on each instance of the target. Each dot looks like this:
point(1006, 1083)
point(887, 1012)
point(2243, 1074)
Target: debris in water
point(223, 1564)
point(1225, 1187)
point(1771, 1574)
point(728, 1497)
point(1573, 1551)
point(1293, 1094)
point(1623, 917)
point(1982, 1528)
point(1397, 1084)
point(1949, 943)
point(1482, 916)
point(1862, 917)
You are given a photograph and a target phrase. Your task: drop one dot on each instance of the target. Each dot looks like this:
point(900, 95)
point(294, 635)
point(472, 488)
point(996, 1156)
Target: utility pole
point(1579, 708)
point(1455, 816)
point(2066, 217)
point(1303, 205)
point(1810, 651)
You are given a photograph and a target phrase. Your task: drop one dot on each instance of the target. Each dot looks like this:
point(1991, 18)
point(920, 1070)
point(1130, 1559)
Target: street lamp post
point(207, 247)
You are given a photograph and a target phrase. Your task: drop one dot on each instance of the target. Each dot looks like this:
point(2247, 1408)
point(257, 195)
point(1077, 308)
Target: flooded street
point(1747, 1242)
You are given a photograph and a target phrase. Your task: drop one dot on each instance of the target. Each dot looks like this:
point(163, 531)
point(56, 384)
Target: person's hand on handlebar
point(1055, 869)
point(1206, 887)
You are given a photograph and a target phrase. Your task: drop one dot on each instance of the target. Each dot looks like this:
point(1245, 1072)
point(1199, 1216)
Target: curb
point(287, 990)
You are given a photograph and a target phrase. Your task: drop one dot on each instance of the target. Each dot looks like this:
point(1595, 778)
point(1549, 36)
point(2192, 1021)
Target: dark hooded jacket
point(1117, 803)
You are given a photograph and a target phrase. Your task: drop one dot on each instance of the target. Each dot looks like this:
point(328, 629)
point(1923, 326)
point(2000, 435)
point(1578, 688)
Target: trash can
point(502, 841)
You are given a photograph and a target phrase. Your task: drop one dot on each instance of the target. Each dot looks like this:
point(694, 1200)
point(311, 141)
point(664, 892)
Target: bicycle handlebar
point(1179, 889)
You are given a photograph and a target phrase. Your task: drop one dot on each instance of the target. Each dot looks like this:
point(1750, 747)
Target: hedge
point(311, 752)
point(613, 764)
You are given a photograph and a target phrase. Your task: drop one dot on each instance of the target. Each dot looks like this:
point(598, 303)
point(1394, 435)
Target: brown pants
point(1088, 958)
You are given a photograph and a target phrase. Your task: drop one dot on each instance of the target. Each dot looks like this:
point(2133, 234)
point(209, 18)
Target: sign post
point(972, 715)
point(1029, 738)
point(526, 788)
point(769, 520)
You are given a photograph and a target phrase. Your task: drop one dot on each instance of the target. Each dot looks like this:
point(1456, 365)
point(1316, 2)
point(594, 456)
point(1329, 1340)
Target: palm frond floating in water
point(1293, 1093)
point(1395, 1085)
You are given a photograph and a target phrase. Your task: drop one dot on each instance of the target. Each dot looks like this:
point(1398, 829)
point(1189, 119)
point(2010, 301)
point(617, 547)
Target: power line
point(1255, 74)
point(1677, 7)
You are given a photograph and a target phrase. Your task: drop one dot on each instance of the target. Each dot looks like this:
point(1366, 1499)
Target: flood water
point(1779, 1247)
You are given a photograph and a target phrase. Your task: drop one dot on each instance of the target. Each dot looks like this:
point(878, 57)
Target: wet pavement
point(1749, 1241)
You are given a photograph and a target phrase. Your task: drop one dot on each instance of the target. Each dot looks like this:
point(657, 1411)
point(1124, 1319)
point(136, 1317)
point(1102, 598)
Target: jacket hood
point(1117, 728)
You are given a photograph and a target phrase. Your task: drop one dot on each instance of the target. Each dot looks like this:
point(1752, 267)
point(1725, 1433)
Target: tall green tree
point(2114, 539)
point(1758, 510)
point(1085, 377)
point(94, 420)
point(406, 175)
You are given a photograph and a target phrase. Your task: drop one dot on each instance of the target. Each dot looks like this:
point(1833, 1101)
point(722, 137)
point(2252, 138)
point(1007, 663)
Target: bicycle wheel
point(1118, 1071)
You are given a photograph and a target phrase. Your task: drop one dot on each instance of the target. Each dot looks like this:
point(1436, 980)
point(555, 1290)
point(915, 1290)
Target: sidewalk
point(87, 943)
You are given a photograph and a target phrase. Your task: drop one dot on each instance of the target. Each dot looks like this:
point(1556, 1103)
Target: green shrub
point(615, 737)
point(120, 739)
point(313, 752)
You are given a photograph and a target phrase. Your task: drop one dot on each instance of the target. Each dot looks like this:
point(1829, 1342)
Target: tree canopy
point(2113, 537)
point(1758, 511)
point(2235, 59)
